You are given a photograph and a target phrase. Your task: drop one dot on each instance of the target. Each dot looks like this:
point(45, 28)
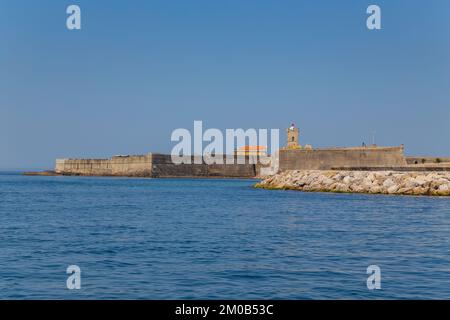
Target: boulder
point(392, 189)
point(388, 183)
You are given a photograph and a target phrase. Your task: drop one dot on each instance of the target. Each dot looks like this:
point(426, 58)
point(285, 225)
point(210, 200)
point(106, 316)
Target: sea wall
point(157, 165)
point(327, 159)
point(378, 182)
point(161, 165)
point(427, 160)
point(138, 166)
point(164, 167)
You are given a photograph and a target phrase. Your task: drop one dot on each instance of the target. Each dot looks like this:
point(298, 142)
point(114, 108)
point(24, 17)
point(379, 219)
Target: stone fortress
point(154, 165)
point(373, 169)
point(292, 157)
point(296, 157)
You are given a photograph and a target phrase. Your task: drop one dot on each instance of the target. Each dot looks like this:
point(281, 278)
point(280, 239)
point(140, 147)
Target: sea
point(137, 238)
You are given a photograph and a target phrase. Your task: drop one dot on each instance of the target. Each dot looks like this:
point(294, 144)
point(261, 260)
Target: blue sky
point(139, 69)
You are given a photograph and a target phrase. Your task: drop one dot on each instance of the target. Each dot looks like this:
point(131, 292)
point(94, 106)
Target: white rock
point(393, 189)
point(388, 183)
point(347, 180)
point(420, 183)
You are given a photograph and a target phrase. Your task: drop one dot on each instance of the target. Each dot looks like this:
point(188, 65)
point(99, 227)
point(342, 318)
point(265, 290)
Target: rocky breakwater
point(374, 182)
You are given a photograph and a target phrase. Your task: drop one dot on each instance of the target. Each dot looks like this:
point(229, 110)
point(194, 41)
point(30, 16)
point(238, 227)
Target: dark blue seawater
point(211, 239)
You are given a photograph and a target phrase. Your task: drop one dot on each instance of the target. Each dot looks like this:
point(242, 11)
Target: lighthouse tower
point(292, 137)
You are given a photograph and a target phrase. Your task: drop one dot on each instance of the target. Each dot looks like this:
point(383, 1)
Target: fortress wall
point(232, 170)
point(164, 167)
point(136, 166)
point(326, 159)
point(117, 166)
point(160, 165)
point(83, 166)
point(153, 165)
point(427, 160)
point(181, 170)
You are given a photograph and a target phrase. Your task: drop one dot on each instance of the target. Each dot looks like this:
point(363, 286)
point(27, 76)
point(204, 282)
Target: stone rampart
point(156, 165)
point(138, 166)
point(326, 159)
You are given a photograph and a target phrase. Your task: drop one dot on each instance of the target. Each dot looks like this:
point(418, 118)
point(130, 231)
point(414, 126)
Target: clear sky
point(139, 69)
